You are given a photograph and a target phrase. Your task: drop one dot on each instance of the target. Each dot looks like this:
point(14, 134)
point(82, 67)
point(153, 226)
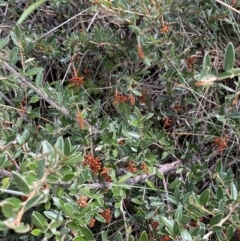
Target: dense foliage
point(119, 120)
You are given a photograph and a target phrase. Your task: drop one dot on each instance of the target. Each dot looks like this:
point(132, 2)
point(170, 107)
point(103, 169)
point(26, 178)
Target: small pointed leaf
point(229, 57)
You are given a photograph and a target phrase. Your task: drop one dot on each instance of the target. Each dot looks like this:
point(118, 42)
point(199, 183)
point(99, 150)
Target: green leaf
point(135, 29)
point(136, 92)
point(229, 57)
point(88, 235)
point(3, 226)
point(168, 223)
point(234, 192)
point(30, 10)
point(53, 215)
point(227, 88)
point(150, 184)
point(73, 159)
point(34, 99)
point(235, 115)
point(18, 32)
point(235, 71)
point(36, 232)
point(179, 213)
point(19, 139)
point(39, 220)
point(79, 238)
point(21, 183)
point(33, 115)
point(118, 237)
point(219, 193)
point(131, 238)
point(230, 232)
point(104, 236)
point(34, 71)
point(67, 147)
point(185, 235)
point(219, 163)
point(143, 236)
point(41, 168)
point(55, 224)
point(172, 199)
point(206, 61)
point(9, 210)
point(14, 38)
point(69, 209)
point(225, 75)
point(216, 219)
point(10, 207)
point(147, 60)
point(134, 134)
point(14, 56)
point(39, 79)
point(36, 200)
point(176, 229)
point(3, 42)
point(60, 143)
point(47, 149)
point(22, 228)
point(28, 48)
point(204, 197)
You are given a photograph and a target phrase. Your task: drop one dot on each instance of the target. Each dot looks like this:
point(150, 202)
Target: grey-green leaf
point(3, 42)
point(234, 192)
point(143, 236)
point(21, 183)
point(39, 220)
point(229, 57)
point(29, 10)
point(204, 197)
point(14, 56)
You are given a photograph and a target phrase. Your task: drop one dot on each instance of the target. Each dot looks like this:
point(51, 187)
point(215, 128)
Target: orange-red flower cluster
point(144, 167)
point(190, 62)
point(167, 122)
point(22, 109)
point(165, 28)
point(95, 165)
point(77, 81)
point(220, 143)
point(93, 162)
point(119, 98)
point(104, 173)
point(80, 120)
point(155, 225)
point(107, 214)
point(165, 238)
point(143, 98)
point(131, 99)
point(82, 201)
point(132, 167)
point(140, 52)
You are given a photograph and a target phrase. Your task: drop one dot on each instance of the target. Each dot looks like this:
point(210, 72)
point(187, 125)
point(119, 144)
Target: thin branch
point(43, 95)
point(5, 98)
point(36, 90)
point(228, 6)
point(4, 173)
point(222, 221)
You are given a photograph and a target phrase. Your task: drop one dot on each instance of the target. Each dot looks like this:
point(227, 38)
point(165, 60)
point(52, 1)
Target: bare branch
point(36, 90)
point(4, 173)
